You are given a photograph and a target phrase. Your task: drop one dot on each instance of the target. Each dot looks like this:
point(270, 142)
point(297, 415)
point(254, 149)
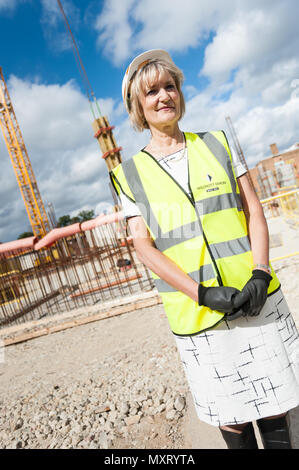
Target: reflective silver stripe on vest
point(178, 235)
point(135, 184)
point(230, 248)
point(205, 273)
point(218, 203)
point(220, 152)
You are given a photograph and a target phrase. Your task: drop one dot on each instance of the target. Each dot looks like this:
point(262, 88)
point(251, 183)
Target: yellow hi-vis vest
point(203, 231)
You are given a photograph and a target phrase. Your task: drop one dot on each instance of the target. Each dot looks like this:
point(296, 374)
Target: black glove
point(223, 299)
point(255, 290)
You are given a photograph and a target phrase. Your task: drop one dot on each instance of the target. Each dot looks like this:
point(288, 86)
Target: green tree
point(25, 235)
point(86, 215)
point(64, 220)
point(75, 219)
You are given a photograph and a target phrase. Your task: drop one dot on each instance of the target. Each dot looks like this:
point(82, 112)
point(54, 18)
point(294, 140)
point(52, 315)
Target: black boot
point(275, 433)
point(244, 440)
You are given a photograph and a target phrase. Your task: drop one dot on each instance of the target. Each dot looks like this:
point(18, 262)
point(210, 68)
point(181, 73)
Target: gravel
point(117, 383)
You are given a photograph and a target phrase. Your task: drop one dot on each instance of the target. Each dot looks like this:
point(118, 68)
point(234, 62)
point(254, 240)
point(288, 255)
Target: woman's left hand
point(256, 290)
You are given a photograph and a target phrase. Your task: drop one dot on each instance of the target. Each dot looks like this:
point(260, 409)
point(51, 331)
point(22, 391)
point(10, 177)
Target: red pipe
point(32, 243)
point(18, 245)
point(56, 234)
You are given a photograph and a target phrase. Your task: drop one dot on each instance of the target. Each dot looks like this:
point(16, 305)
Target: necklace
point(181, 154)
point(174, 159)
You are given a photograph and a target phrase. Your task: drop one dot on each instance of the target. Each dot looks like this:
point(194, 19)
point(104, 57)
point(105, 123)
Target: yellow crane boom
point(21, 164)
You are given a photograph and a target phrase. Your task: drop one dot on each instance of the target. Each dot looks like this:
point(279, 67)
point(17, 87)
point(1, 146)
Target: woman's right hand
point(223, 299)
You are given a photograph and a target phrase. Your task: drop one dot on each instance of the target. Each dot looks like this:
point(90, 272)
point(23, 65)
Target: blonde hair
point(145, 77)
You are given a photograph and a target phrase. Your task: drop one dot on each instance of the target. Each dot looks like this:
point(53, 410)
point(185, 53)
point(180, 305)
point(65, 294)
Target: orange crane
point(101, 126)
point(21, 164)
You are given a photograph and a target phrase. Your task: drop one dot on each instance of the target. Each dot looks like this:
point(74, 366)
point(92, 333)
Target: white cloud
point(114, 29)
point(7, 4)
point(134, 25)
point(255, 36)
point(50, 12)
point(53, 23)
point(8, 7)
point(174, 26)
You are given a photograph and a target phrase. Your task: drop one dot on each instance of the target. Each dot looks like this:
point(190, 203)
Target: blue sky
point(36, 50)
point(239, 58)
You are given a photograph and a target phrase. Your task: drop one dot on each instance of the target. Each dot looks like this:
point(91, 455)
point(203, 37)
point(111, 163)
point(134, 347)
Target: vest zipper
point(192, 201)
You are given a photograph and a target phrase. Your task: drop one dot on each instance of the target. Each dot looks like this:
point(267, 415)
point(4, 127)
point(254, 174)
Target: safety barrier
point(285, 205)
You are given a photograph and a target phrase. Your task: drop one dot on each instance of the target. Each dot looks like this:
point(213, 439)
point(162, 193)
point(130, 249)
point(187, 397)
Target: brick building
point(281, 170)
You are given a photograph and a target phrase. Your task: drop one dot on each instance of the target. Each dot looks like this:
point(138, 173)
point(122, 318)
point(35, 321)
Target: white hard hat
point(136, 64)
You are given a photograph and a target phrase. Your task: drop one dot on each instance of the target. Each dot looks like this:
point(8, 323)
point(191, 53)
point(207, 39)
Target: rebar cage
point(84, 269)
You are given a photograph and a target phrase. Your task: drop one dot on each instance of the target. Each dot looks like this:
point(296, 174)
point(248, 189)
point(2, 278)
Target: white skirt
point(245, 369)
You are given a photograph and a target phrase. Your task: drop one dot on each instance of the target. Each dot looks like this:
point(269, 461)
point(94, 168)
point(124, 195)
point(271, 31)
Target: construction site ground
point(59, 370)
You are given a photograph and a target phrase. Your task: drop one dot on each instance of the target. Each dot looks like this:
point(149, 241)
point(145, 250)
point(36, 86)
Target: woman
point(199, 227)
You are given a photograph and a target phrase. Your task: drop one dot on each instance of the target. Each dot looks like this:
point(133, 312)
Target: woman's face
point(161, 101)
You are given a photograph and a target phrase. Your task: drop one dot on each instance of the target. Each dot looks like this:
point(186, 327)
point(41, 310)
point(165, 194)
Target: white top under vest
point(179, 171)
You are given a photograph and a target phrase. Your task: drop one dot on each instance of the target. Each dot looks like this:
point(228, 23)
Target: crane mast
point(102, 129)
point(21, 163)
